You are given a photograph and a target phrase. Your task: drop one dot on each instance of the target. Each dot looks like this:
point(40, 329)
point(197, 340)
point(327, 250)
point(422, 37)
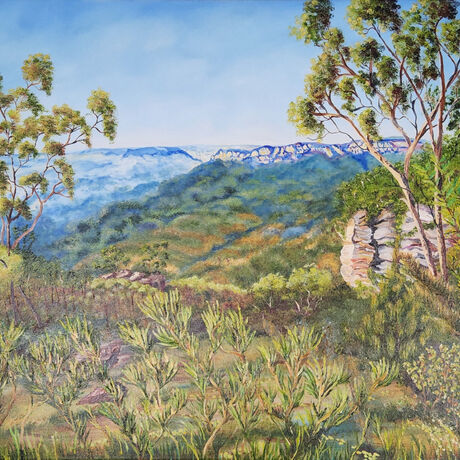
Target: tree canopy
point(403, 72)
point(33, 143)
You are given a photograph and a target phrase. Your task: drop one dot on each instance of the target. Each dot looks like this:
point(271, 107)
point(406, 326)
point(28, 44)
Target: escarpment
point(370, 242)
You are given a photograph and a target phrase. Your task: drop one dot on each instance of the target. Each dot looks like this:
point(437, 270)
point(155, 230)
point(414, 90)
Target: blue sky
point(180, 72)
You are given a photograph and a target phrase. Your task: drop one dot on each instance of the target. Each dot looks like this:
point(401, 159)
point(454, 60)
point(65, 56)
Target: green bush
point(307, 286)
point(219, 412)
point(436, 375)
point(398, 321)
point(270, 289)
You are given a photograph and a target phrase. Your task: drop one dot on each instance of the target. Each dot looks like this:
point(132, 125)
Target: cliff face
point(268, 154)
point(369, 244)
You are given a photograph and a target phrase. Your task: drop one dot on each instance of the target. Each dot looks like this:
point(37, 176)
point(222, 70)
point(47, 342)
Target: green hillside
point(227, 222)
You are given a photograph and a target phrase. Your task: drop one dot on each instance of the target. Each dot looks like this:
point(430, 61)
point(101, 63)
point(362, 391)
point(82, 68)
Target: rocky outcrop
point(383, 239)
point(155, 280)
point(369, 243)
point(267, 154)
point(357, 252)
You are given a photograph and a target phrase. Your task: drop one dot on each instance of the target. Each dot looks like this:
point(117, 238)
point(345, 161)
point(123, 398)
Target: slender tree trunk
point(410, 202)
point(403, 183)
point(14, 305)
point(2, 234)
point(441, 239)
point(31, 306)
point(8, 237)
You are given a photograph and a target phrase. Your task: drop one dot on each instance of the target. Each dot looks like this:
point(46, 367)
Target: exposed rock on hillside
point(357, 252)
point(155, 280)
point(369, 244)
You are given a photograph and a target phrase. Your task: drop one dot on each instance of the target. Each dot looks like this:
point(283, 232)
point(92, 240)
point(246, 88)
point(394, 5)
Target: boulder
point(124, 274)
point(136, 276)
point(98, 395)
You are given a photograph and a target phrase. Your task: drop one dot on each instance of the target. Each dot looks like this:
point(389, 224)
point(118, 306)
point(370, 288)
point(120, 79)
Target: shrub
point(436, 375)
point(307, 286)
point(57, 369)
point(397, 323)
point(270, 289)
point(152, 409)
point(9, 342)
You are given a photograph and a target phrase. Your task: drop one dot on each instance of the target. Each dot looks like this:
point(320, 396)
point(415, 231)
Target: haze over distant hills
point(105, 176)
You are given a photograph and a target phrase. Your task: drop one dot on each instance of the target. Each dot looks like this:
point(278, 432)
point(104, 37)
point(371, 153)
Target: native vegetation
point(256, 348)
point(404, 71)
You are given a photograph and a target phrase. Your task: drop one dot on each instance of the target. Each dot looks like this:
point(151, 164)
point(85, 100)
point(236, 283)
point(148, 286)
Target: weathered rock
point(370, 244)
point(124, 274)
point(155, 280)
point(98, 395)
point(136, 276)
point(357, 252)
point(410, 242)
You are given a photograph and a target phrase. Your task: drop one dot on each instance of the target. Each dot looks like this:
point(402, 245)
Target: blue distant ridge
point(267, 154)
point(158, 151)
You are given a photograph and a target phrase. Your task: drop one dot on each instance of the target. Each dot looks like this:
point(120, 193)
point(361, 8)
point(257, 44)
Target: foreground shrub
point(219, 411)
point(436, 375)
point(398, 322)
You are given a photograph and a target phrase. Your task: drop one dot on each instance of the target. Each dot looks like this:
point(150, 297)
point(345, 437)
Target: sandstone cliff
point(369, 244)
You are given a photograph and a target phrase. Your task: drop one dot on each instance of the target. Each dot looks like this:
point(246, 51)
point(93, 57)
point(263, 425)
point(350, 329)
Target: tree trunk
point(438, 216)
point(8, 238)
point(31, 306)
point(14, 305)
point(2, 234)
point(403, 183)
point(441, 239)
point(410, 202)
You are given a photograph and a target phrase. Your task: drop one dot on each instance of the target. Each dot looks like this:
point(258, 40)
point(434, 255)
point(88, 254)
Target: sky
point(216, 72)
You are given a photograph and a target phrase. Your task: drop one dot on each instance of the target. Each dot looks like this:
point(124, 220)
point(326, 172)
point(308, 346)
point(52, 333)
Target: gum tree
point(403, 71)
point(33, 143)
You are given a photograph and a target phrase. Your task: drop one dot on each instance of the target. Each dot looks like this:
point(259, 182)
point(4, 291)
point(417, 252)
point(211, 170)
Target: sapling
point(58, 369)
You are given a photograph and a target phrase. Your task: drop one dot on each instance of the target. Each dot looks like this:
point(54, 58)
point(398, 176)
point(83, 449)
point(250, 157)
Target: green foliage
point(314, 21)
point(306, 286)
point(38, 69)
point(397, 323)
point(295, 374)
point(201, 285)
point(10, 336)
point(29, 131)
point(155, 256)
point(372, 191)
point(112, 258)
point(436, 375)
point(270, 288)
point(102, 106)
point(56, 375)
point(239, 397)
point(423, 37)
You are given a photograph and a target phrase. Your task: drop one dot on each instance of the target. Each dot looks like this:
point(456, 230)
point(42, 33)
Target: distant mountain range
point(105, 176)
point(268, 154)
